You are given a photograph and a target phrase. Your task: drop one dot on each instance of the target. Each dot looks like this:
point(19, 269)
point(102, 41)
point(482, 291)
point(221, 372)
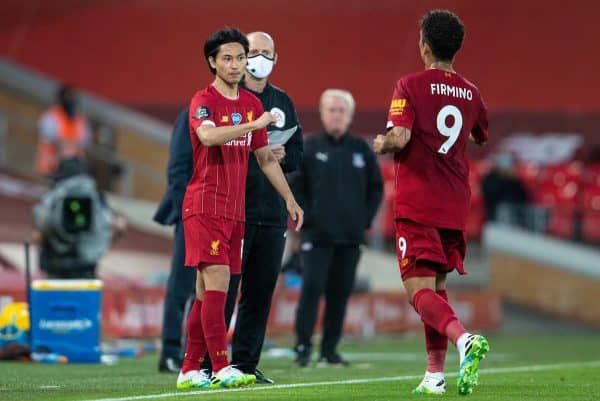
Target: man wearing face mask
point(266, 214)
point(64, 133)
point(339, 186)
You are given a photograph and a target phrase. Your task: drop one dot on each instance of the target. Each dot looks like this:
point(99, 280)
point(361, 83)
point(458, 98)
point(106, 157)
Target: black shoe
point(302, 355)
point(169, 365)
point(261, 378)
point(334, 359)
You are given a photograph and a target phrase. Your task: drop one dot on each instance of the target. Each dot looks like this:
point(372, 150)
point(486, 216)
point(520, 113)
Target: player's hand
point(296, 212)
point(265, 119)
point(278, 151)
point(378, 144)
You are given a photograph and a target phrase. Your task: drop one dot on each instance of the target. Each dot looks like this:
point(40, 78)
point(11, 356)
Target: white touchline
point(405, 356)
point(515, 369)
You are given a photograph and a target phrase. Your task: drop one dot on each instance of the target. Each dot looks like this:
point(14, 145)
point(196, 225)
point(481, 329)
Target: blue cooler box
point(66, 317)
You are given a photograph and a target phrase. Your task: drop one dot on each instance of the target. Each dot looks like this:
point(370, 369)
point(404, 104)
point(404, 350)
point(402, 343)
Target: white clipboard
point(280, 137)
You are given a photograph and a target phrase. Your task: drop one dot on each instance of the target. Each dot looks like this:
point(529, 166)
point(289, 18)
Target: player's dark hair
point(444, 32)
point(224, 36)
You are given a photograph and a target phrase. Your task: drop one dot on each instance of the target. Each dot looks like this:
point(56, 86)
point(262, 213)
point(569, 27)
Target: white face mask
point(260, 66)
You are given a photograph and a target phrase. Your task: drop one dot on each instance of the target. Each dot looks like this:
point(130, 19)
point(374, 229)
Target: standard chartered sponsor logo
point(244, 140)
point(65, 325)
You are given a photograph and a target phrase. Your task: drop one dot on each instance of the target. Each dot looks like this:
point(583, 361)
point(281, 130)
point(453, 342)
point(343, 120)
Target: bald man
point(266, 214)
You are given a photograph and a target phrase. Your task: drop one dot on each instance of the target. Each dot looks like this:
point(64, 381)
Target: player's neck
point(441, 65)
point(255, 85)
point(230, 91)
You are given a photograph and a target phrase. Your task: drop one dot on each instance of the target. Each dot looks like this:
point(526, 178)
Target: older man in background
point(339, 186)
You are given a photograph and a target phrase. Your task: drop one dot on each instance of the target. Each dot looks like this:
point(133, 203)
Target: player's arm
point(395, 140)
point(479, 134)
point(210, 135)
point(401, 117)
point(270, 167)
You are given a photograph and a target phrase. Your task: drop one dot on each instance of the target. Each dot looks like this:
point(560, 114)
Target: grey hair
point(340, 93)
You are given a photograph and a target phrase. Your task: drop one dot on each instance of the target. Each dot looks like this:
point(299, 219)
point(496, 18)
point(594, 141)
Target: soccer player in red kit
point(432, 115)
point(226, 124)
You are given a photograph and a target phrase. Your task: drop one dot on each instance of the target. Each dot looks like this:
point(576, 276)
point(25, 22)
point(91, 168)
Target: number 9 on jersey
point(451, 132)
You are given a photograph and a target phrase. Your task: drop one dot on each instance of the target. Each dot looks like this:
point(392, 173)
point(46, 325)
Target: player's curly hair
point(225, 35)
point(444, 32)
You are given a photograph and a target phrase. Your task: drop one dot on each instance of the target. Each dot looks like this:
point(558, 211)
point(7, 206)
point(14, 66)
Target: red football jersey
point(218, 185)
point(440, 109)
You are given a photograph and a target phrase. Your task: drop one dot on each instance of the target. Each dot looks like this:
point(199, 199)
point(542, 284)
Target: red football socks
point(215, 332)
point(436, 344)
point(454, 330)
point(437, 313)
point(196, 345)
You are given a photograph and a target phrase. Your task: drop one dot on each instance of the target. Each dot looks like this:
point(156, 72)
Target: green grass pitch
point(517, 368)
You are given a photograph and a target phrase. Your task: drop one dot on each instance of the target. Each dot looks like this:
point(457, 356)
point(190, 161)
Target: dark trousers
point(261, 264)
point(180, 287)
point(330, 271)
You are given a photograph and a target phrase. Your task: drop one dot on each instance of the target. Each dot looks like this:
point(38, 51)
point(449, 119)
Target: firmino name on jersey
point(449, 90)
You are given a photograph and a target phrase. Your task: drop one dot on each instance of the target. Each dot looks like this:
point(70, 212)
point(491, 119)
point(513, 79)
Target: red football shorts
point(444, 249)
point(213, 240)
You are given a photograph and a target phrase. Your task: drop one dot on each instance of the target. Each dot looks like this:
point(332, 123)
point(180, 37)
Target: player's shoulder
point(410, 83)
point(466, 82)
point(413, 77)
point(206, 91)
point(204, 94)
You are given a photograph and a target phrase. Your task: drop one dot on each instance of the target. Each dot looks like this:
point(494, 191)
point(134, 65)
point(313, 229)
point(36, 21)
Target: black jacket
point(339, 187)
point(179, 171)
point(498, 188)
point(264, 206)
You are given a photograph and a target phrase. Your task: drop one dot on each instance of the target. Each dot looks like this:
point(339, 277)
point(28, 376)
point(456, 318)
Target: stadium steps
point(550, 276)
point(140, 142)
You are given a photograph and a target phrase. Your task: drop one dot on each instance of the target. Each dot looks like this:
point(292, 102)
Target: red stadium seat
point(559, 190)
point(560, 185)
point(562, 222)
point(592, 176)
point(528, 174)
